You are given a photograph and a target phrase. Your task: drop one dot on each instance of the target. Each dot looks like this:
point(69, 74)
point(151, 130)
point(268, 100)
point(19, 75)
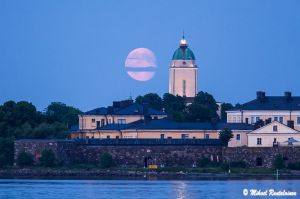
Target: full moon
point(140, 64)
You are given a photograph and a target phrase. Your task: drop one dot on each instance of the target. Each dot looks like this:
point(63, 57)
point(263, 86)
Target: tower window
point(184, 87)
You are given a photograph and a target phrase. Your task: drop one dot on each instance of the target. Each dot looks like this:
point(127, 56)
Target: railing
point(124, 142)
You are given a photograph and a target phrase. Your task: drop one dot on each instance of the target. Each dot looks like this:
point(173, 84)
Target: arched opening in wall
point(147, 161)
point(259, 161)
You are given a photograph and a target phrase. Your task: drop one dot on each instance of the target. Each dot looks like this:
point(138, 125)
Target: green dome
point(183, 54)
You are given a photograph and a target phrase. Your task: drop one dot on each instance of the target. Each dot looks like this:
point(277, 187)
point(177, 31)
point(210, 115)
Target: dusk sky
point(75, 51)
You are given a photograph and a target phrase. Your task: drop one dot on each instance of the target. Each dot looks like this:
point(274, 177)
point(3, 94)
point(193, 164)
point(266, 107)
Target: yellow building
point(162, 129)
point(121, 112)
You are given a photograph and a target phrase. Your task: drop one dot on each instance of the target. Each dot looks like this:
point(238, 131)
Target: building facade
point(121, 112)
point(284, 109)
point(274, 134)
point(183, 80)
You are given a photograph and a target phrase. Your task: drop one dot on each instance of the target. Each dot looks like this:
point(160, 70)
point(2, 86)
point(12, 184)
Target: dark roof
point(272, 103)
point(172, 125)
point(133, 109)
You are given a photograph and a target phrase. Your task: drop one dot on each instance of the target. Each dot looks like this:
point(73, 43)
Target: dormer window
point(275, 128)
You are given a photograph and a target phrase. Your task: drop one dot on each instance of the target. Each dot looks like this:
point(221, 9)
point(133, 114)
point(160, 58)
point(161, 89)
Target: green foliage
point(225, 107)
point(106, 160)
point(225, 166)
point(203, 162)
point(278, 162)
point(48, 158)
point(225, 136)
point(24, 159)
point(54, 130)
point(294, 166)
point(22, 120)
point(203, 109)
point(173, 103)
point(60, 112)
point(6, 151)
point(152, 99)
point(238, 164)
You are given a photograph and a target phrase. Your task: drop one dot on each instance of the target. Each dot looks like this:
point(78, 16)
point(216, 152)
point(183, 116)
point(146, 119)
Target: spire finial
point(183, 41)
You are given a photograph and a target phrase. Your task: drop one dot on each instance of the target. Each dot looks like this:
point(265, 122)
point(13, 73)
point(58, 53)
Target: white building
point(183, 72)
point(273, 135)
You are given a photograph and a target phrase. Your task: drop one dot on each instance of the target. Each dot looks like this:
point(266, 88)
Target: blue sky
point(74, 51)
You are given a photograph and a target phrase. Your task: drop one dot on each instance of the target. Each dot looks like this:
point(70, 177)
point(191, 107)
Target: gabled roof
point(281, 128)
point(133, 109)
point(272, 103)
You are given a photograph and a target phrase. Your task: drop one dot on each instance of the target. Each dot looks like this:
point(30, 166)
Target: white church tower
point(183, 72)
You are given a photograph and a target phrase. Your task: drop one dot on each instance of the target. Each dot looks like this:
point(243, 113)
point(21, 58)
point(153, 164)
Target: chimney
point(110, 110)
point(260, 95)
point(125, 103)
point(288, 95)
point(290, 123)
point(116, 104)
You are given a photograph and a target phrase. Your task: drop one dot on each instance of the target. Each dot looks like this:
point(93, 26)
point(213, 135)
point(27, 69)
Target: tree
point(24, 159)
point(225, 107)
point(60, 112)
point(6, 151)
point(48, 158)
point(225, 136)
point(278, 162)
point(173, 103)
point(106, 160)
point(203, 109)
point(152, 99)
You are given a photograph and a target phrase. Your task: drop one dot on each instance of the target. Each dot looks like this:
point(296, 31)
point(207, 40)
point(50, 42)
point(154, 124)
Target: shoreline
point(108, 174)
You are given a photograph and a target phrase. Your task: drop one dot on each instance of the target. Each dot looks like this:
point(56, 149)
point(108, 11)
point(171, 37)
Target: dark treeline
point(21, 120)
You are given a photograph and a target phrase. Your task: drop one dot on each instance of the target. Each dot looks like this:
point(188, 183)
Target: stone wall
point(169, 155)
point(251, 155)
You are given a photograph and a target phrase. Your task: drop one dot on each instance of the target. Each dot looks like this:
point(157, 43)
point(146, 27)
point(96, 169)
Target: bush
point(278, 162)
point(106, 160)
point(6, 151)
point(294, 166)
point(48, 158)
point(203, 162)
point(225, 166)
point(24, 159)
point(238, 164)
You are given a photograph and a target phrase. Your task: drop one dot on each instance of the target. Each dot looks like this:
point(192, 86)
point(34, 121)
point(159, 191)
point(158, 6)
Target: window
point(252, 120)
point(206, 136)
point(184, 136)
point(184, 87)
point(234, 119)
point(108, 136)
point(109, 121)
point(257, 119)
point(93, 120)
point(278, 119)
point(258, 141)
point(238, 136)
point(298, 120)
point(275, 128)
point(121, 121)
point(162, 136)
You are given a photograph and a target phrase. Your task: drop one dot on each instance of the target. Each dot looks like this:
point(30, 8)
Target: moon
point(140, 64)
